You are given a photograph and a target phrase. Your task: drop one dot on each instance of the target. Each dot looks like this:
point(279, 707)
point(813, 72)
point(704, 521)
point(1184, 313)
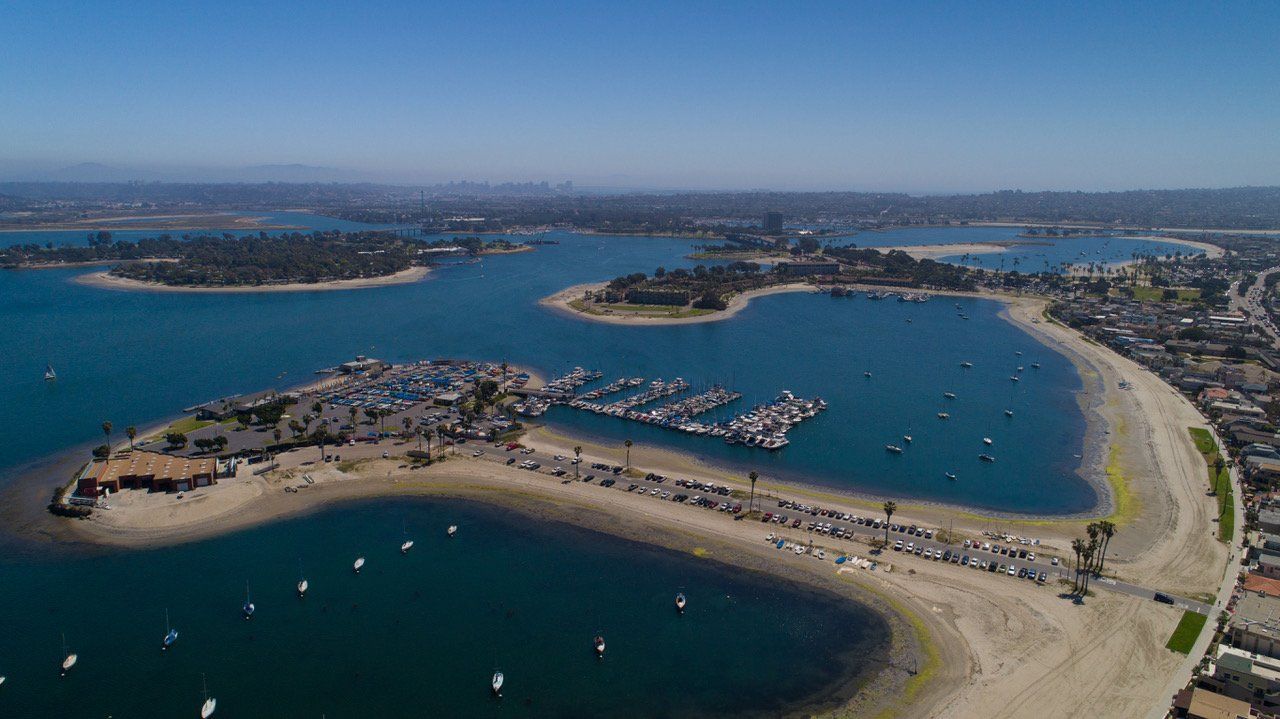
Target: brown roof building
point(139, 469)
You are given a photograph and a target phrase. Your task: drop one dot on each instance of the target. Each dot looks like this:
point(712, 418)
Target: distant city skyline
point(912, 97)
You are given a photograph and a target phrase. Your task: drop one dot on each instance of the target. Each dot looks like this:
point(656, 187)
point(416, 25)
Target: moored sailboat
point(210, 704)
point(170, 634)
point(69, 659)
point(496, 683)
point(247, 608)
point(681, 602)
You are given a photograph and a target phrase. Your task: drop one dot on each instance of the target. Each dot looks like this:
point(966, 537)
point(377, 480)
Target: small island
point(290, 261)
point(705, 294)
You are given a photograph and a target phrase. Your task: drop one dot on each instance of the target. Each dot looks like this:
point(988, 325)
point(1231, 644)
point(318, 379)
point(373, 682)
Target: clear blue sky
point(787, 95)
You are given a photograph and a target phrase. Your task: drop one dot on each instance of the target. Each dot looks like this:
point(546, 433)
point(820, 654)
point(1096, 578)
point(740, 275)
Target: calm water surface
point(137, 357)
point(419, 634)
point(1048, 254)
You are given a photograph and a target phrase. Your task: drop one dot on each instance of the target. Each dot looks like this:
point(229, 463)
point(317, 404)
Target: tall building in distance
point(772, 222)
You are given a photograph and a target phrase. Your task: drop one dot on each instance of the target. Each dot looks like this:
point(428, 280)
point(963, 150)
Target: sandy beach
point(560, 302)
point(105, 280)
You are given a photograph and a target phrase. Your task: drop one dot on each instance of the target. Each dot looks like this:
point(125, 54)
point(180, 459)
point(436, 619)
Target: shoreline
point(559, 302)
point(982, 649)
point(536, 499)
point(107, 281)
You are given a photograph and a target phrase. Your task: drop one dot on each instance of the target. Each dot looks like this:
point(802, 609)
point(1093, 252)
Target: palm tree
point(106, 429)
point(1108, 530)
point(577, 451)
point(353, 412)
point(440, 436)
point(407, 423)
point(1089, 549)
point(316, 408)
point(504, 376)
point(627, 444)
point(132, 432)
point(753, 476)
point(1093, 530)
point(1077, 546)
point(277, 434)
point(322, 432)
point(889, 509)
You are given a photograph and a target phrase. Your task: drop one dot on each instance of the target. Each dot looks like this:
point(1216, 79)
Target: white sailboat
point(496, 683)
point(598, 643)
point(210, 704)
point(247, 608)
point(681, 602)
point(359, 564)
point(49, 374)
point(407, 544)
point(69, 658)
point(453, 529)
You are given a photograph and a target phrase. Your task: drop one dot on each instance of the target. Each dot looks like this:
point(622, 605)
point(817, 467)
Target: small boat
point(867, 375)
point(949, 395)
point(841, 559)
point(69, 658)
point(681, 602)
point(1013, 377)
point(986, 458)
point(1035, 365)
point(49, 374)
point(407, 544)
point(951, 476)
point(303, 586)
point(907, 438)
point(358, 565)
point(1019, 353)
point(248, 609)
point(598, 643)
point(943, 415)
point(453, 529)
point(210, 704)
point(1008, 413)
point(895, 449)
point(2, 680)
point(966, 365)
point(496, 683)
point(986, 440)
point(170, 634)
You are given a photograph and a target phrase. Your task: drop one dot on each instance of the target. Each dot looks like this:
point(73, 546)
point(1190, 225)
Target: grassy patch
point(1219, 481)
point(1204, 441)
point(186, 425)
point(1156, 294)
point(1185, 634)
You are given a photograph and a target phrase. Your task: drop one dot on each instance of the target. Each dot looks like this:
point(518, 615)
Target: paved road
point(804, 533)
point(1251, 304)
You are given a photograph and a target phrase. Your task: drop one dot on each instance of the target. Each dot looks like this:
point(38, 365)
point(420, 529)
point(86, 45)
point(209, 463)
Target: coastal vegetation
point(1219, 481)
point(230, 261)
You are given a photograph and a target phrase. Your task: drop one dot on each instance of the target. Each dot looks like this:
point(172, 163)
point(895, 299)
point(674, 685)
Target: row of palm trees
point(1091, 555)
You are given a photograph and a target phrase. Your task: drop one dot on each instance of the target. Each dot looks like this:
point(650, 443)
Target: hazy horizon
point(921, 98)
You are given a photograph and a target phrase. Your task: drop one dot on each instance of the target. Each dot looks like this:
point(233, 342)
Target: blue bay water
point(1047, 257)
point(421, 634)
point(137, 357)
point(418, 634)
